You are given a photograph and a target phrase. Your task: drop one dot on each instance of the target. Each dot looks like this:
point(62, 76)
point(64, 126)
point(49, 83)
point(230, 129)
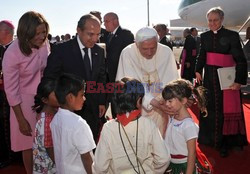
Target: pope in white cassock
point(154, 65)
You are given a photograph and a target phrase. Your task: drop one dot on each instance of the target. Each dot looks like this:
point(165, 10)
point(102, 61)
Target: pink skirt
point(20, 142)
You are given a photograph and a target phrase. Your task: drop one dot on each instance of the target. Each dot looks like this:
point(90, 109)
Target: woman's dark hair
point(45, 87)
point(183, 88)
point(126, 94)
point(66, 84)
point(27, 30)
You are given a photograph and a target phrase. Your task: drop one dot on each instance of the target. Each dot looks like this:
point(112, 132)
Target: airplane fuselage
point(194, 11)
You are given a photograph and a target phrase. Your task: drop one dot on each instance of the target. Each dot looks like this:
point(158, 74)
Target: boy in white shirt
point(131, 143)
point(72, 137)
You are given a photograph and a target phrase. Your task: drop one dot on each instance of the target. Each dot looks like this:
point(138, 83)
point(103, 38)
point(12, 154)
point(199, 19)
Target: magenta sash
point(1, 78)
point(217, 59)
point(233, 122)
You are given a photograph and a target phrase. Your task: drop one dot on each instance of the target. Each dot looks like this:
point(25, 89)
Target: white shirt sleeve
point(190, 130)
point(83, 138)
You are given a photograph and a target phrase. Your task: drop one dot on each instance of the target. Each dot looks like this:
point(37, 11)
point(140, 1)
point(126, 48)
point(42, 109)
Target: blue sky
point(63, 15)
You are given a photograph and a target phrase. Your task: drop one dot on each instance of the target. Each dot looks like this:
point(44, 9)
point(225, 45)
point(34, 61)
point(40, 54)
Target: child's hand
point(198, 77)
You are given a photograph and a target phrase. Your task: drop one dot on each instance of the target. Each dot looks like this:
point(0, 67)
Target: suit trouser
point(5, 150)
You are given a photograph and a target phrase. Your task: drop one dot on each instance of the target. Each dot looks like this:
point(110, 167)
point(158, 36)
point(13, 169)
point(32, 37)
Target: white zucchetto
point(146, 33)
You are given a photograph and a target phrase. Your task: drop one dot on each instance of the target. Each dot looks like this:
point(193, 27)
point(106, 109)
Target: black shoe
point(223, 152)
point(4, 164)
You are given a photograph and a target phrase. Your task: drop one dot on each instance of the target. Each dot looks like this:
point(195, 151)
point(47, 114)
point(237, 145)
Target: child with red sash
point(46, 106)
point(130, 143)
point(182, 132)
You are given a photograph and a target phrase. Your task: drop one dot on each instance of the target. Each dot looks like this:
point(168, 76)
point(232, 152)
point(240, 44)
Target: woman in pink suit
point(23, 65)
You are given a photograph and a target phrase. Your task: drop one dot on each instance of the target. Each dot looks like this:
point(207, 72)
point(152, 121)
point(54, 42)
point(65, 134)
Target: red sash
point(47, 132)
point(178, 156)
point(124, 120)
point(231, 98)
point(203, 165)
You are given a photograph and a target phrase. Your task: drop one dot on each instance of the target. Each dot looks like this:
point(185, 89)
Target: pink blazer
point(22, 74)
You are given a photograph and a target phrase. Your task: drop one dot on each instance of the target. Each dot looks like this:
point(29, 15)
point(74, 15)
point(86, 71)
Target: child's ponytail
point(200, 94)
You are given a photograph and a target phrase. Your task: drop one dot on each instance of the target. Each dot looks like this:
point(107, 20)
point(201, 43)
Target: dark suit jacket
point(224, 42)
point(121, 39)
point(2, 51)
point(67, 58)
point(189, 46)
point(198, 42)
point(104, 35)
point(166, 42)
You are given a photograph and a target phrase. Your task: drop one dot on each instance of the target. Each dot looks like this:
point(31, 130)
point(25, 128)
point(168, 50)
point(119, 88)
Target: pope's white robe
point(158, 71)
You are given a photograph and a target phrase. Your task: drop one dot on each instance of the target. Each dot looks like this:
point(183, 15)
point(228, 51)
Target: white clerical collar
point(216, 31)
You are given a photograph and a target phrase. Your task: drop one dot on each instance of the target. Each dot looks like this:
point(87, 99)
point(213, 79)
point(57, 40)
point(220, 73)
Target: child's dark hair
point(45, 87)
point(66, 84)
point(126, 94)
point(183, 88)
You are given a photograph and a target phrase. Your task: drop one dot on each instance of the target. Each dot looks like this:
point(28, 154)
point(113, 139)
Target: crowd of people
point(54, 97)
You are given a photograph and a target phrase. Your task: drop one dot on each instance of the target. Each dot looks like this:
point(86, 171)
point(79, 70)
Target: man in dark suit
point(6, 38)
point(104, 33)
point(224, 126)
point(197, 39)
point(188, 57)
point(118, 39)
point(162, 31)
point(81, 56)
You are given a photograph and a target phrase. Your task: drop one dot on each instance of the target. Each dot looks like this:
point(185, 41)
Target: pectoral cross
point(149, 82)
